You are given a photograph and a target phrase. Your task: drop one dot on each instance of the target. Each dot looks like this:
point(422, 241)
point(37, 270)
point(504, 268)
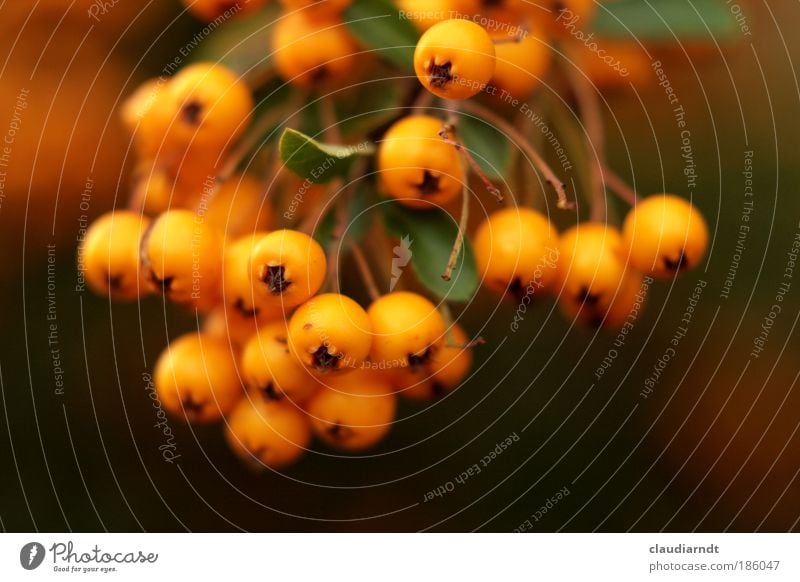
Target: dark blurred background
point(714, 447)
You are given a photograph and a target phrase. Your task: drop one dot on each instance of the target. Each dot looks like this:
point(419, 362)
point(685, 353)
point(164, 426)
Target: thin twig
point(592, 116)
point(459, 242)
point(520, 140)
point(329, 120)
point(620, 186)
point(366, 272)
point(449, 129)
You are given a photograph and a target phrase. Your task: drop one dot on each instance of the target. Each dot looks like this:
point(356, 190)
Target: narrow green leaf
point(432, 234)
point(659, 19)
point(317, 161)
point(490, 148)
point(379, 26)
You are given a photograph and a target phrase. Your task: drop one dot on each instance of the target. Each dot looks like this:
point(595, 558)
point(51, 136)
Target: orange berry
point(454, 59)
point(417, 167)
point(196, 376)
point(268, 434)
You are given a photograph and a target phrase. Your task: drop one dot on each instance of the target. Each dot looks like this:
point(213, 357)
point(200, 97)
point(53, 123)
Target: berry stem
point(619, 186)
point(329, 121)
point(366, 272)
point(589, 106)
point(449, 129)
point(520, 140)
point(459, 242)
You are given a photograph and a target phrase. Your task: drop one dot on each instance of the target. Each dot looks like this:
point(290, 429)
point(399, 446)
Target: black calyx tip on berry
point(516, 289)
point(588, 298)
point(440, 75)
point(416, 361)
point(275, 279)
point(165, 284)
point(191, 406)
point(270, 393)
point(190, 112)
point(114, 281)
point(245, 311)
point(675, 265)
point(323, 360)
point(429, 184)
point(338, 432)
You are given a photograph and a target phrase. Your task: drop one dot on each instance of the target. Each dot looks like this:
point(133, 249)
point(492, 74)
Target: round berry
point(109, 255)
point(269, 367)
point(330, 332)
point(407, 330)
point(591, 272)
point(182, 258)
point(288, 268)
point(454, 59)
point(452, 362)
point(237, 207)
point(311, 52)
point(241, 300)
point(354, 412)
point(417, 167)
point(210, 10)
point(516, 251)
point(520, 66)
point(196, 376)
point(207, 107)
point(226, 325)
point(268, 434)
point(665, 234)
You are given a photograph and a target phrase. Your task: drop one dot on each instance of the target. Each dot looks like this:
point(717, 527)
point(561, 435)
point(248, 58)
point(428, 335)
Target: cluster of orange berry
point(278, 358)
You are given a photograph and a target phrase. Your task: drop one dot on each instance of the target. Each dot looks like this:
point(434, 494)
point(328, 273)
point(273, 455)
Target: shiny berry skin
point(516, 250)
point(267, 434)
point(330, 333)
point(196, 376)
point(227, 325)
point(417, 167)
point(209, 10)
point(238, 208)
point(407, 330)
point(354, 412)
point(593, 273)
point(425, 13)
point(269, 367)
point(109, 255)
point(520, 66)
point(287, 268)
point(452, 362)
point(454, 59)
point(445, 371)
point(182, 258)
point(664, 235)
point(241, 302)
point(313, 52)
point(205, 106)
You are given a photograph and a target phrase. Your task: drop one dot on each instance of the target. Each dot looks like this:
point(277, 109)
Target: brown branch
point(366, 272)
point(520, 140)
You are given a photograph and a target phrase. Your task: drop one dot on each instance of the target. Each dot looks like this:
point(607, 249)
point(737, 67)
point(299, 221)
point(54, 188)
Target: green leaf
point(659, 19)
point(490, 148)
point(241, 44)
point(432, 234)
point(317, 161)
point(377, 24)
